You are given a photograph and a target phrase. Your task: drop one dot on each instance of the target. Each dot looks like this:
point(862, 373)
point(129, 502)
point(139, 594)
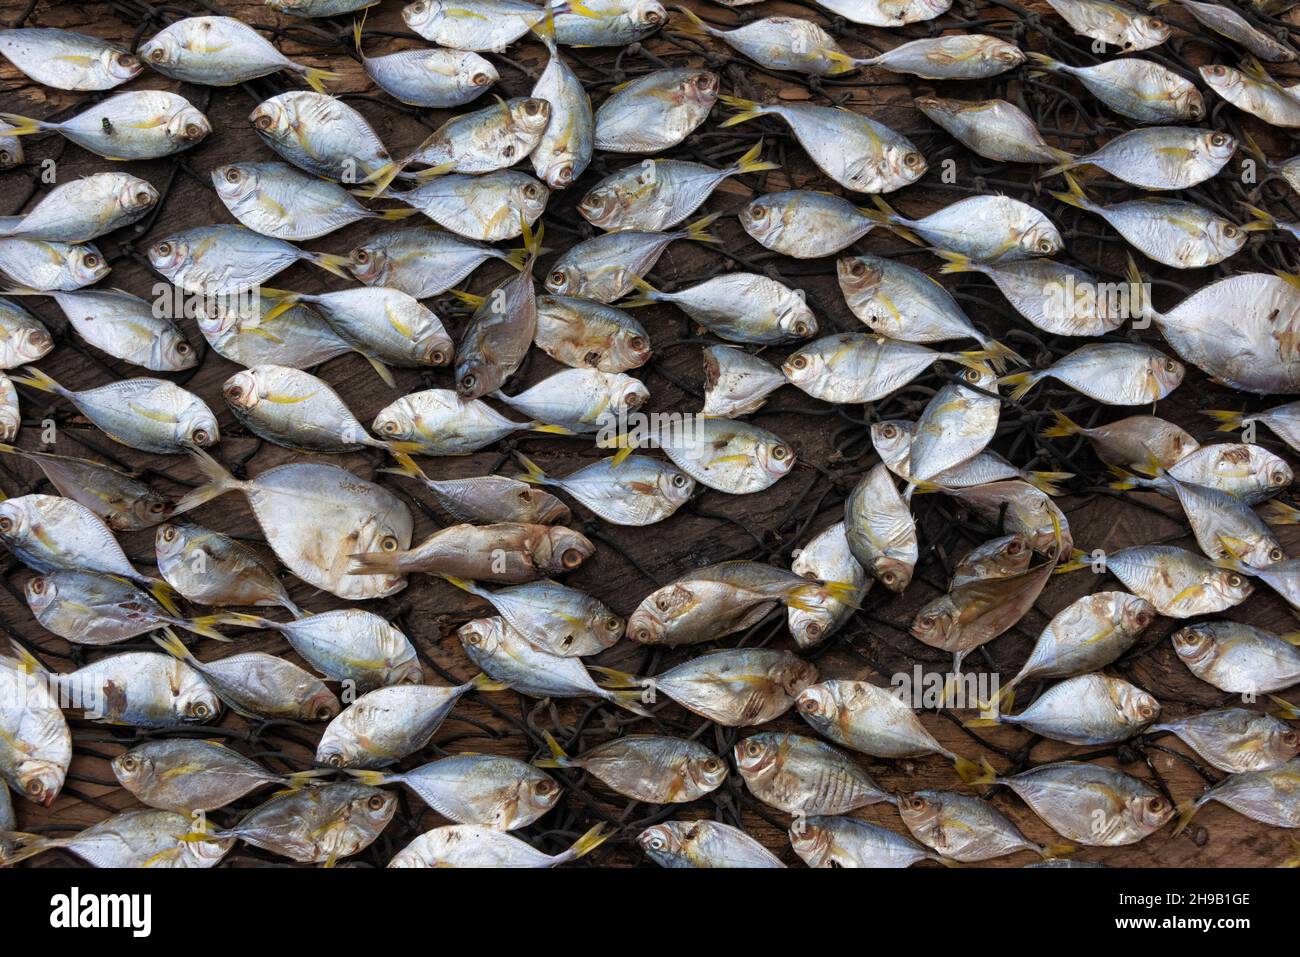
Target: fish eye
point(6, 525)
point(780, 452)
point(637, 342)
point(643, 635)
point(913, 159)
point(1275, 554)
point(1146, 711)
point(571, 558)
point(200, 710)
point(926, 621)
point(388, 543)
point(756, 212)
point(438, 358)
point(1156, 805)
point(1280, 478)
point(126, 59)
point(5, 157)
point(801, 329)
point(130, 762)
point(814, 629)
point(474, 638)
point(655, 844)
point(200, 436)
point(233, 175)
point(91, 260)
point(37, 586)
point(654, 16)
point(35, 787)
point(360, 256)
point(1217, 70)
point(557, 277)
point(389, 428)
point(546, 787)
point(192, 131)
point(1290, 738)
point(1230, 231)
point(1045, 246)
point(1234, 581)
point(169, 533)
point(467, 381)
point(183, 348)
point(887, 577)
point(263, 122)
point(533, 106)
point(889, 432)
point(798, 362)
point(532, 191)
point(808, 704)
point(157, 508)
point(164, 249)
point(143, 198)
point(157, 55)
point(508, 151)
point(1171, 365)
point(1218, 139)
point(1156, 24)
point(324, 712)
point(1013, 547)
point(234, 391)
point(614, 624)
point(753, 749)
point(680, 480)
point(710, 764)
point(970, 375)
point(480, 79)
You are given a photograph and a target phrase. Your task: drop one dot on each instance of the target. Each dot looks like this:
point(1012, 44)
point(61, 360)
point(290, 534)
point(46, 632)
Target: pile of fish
point(948, 450)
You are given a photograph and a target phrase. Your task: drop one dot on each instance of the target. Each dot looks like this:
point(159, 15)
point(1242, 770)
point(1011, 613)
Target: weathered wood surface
point(832, 446)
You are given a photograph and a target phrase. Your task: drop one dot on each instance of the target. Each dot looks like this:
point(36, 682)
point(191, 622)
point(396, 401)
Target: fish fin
point(171, 643)
point(1279, 513)
point(482, 682)
point(1285, 708)
point(301, 779)
point(648, 293)
point(533, 473)
point(582, 10)
point(980, 723)
point(381, 370)
point(376, 563)
point(846, 593)
point(887, 216)
point(1062, 427)
point(317, 78)
point(165, 595)
point(955, 262)
point(219, 482)
point(516, 257)
point(24, 125)
point(1253, 146)
point(589, 842)
point(550, 429)
point(1020, 382)
point(464, 584)
point(1126, 480)
point(285, 300)
point(330, 262)
point(972, 359)
point(25, 661)
point(1261, 220)
point(1045, 63)
point(694, 26)
point(615, 678)
point(1074, 196)
point(406, 465)
point(471, 299)
point(1045, 482)
point(699, 230)
point(1052, 852)
point(1063, 166)
point(558, 758)
point(750, 162)
point(29, 845)
point(395, 214)
point(1186, 811)
point(371, 778)
point(357, 24)
point(629, 701)
point(1000, 355)
point(202, 625)
point(748, 110)
point(433, 172)
point(1078, 560)
point(39, 380)
point(381, 178)
point(1228, 420)
point(975, 772)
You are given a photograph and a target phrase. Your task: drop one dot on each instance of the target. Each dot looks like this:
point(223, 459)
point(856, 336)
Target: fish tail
point(516, 257)
point(381, 178)
point(482, 682)
point(1045, 482)
point(615, 678)
point(1078, 560)
point(476, 301)
point(1261, 219)
point(887, 216)
point(1046, 64)
point(550, 429)
point(628, 700)
point(699, 230)
point(533, 473)
point(284, 301)
point(371, 778)
point(1279, 513)
point(24, 125)
point(29, 845)
point(24, 660)
point(1125, 481)
point(1000, 355)
point(588, 842)
point(219, 482)
point(975, 772)
point(1052, 852)
point(981, 722)
point(1285, 708)
point(395, 214)
point(1020, 382)
point(165, 595)
point(39, 380)
point(1062, 427)
point(578, 7)
point(1253, 146)
point(289, 605)
point(558, 758)
point(1186, 811)
point(301, 779)
point(648, 294)
point(202, 625)
point(171, 643)
point(317, 78)
point(376, 563)
point(1075, 196)
point(955, 262)
point(977, 359)
point(1228, 420)
point(330, 262)
point(846, 593)
point(750, 162)
point(406, 466)
point(1066, 162)
point(694, 26)
point(748, 110)
point(357, 24)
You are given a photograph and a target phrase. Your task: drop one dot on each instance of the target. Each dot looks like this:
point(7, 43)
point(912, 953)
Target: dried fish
point(647, 767)
point(1237, 657)
point(735, 688)
point(66, 60)
point(1134, 87)
point(964, 828)
point(221, 51)
point(1112, 373)
point(1236, 740)
point(140, 125)
point(468, 845)
point(636, 491)
point(654, 111)
point(880, 529)
point(1089, 709)
point(35, 743)
point(704, 843)
point(125, 503)
point(1090, 804)
point(842, 841)
point(804, 224)
point(584, 334)
point(555, 618)
point(827, 558)
point(803, 776)
point(140, 838)
point(210, 568)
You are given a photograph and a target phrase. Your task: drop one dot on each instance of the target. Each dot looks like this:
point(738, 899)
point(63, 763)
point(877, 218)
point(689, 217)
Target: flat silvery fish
point(477, 25)
point(659, 194)
point(488, 208)
point(994, 129)
point(422, 261)
point(439, 422)
point(430, 76)
point(1132, 442)
point(854, 150)
point(85, 209)
point(1172, 232)
point(351, 645)
point(1112, 373)
point(565, 148)
point(1254, 91)
point(1091, 804)
point(955, 425)
point(221, 51)
point(1227, 22)
point(500, 332)
point(184, 775)
point(854, 367)
point(385, 725)
point(502, 552)
point(335, 514)
point(583, 334)
point(140, 838)
point(1179, 583)
point(50, 532)
point(265, 334)
point(124, 326)
point(962, 56)
point(488, 498)
point(885, 13)
point(489, 790)
point(142, 689)
point(318, 8)
point(580, 400)
point(1054, 296)
point(1238, 658)
point(1007, 228)
point(555, 618)
point(703, 843)
point(469, 845)
point(1282, 420)
point(51, 267)
point(124, 502)
point(10, 415)
point(843, 841)
point(385, 325)
point(723, 454)
point(803, 777)
point(142, 124)
point(210, 568)
point(1084, 636)
point(1225, 527)
point(605, 268)
point(508, 657)
point(1113, 23)
point(892, 440)
point(277, 200)
point(779, 43)
point(66, 60)
point(737, 382)
point(997, 558)
point(153, 415)
point(322, 135)
point(647, 767)
point(226, 259)
point(827, 558)
point(655, 111)
point(636, 491)
point(1134, 87)
point(258, 685)
point(804, 224)
point(964, 828)
point(486, 140)
point(1162, 158)
point(295, 409)
point(735, 688)
point(23, 337)
point(740, 307)
point(1020, 508)
point(602, 23)
point(1089, 709)
point(880, 529)
point(1271, 797)
point(1235, 739)
point(35, 743)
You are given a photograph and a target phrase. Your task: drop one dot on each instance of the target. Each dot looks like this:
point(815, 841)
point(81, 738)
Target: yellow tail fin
point(1261, 220)
point(748, 110)
point(558, 758)
point(699, 230)
point(1075, 195)
point(1279, 513)
point(317, 78)
point(1064, 426)
point(533, 473)
point(973, 772)
point(1228, 420)
point(694, 26)
point(39, 380)
point(1020, 382)
point(21, 125)
point(1046, 481)
point(750, 162)
point(615, 678)
point(331, 263)
point(589, 842)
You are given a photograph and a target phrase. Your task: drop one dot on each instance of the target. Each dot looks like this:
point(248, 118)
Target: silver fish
point(142, 689)
point(477, 25)
point(486, 140)
point(584, 334)
point(316, 825)
point(996, 558)
point(1271, 797)
point(565, 148)
point(724, 454)
point(1091, 804)
point(827, 558)
point(1282, 420)
point(1236, 740)
point(804, 224)
point(1113, 23)
point(140, 125)
point(488, 498)
point(964, 828)
point(428, 77)
point(1160, 158)
point(504, 552)
point(1225, 527)
point(804, 777)
point(740, 307)
point(580, 400)
point(35, 743)
point(1134, 87)
point(439, 422)
point(703, 843)
point(854, 150)
point(324, 136)
point(1254, 91)
point(227, 259)
point(1229, 23)
point(1020, 508)
point(266, 334)
point(655, 111)
point(422, 261)
point(780, 43)
point(955, 425)
point(153, 415)
point(296, 410)
point(1177, 582)
point(555, 618)
point(605, 267)
point(1238, 658)
point(68, 61)
point(23, 337)
point(468, 845)
point(46, 266)
point(736, 382)
point(880, 529)
point(500, 333)
point(85, 209)
point(735, 688)
point(50, 532)
point(141, 838)
point(886, 13)
point(124, 502)
point(647, 767)
point(962, 56)
point(994, 129)
point(489, 208)
point(319, 8)
point(210, 568)
point(126, 327)
point(1112, 373)
point(1131, 442)
point(637, 491)
point(842, 841)
point(854, 367)
point(1008, 229)
point(1089, 709)
point(892, 440)
point(221, 51)
point(602, 23)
